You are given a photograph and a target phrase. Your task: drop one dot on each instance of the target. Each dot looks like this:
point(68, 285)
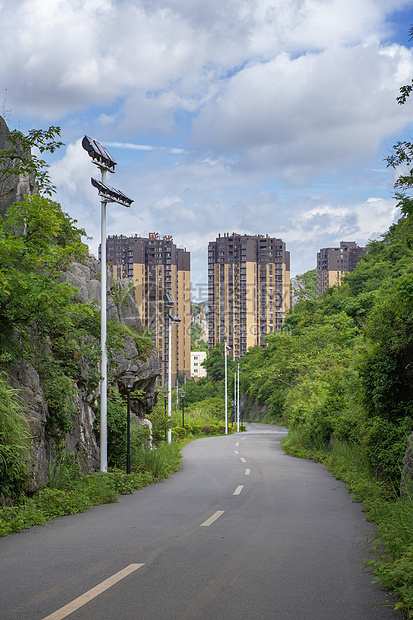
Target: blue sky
point(250, 116)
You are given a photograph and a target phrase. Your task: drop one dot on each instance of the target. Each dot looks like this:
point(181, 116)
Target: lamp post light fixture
point(128, 381)
point(169, 303)
point(105, 162)
point(183, 393)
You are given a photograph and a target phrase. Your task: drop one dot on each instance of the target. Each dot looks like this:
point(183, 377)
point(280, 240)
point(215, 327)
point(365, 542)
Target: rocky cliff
point(304, 287)
point(12, 187)
point(81, 440)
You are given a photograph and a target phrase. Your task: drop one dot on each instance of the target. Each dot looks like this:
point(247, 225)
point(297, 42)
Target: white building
point(198, 371)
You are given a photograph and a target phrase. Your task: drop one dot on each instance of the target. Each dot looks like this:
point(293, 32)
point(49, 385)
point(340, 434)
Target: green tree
point(215, 363)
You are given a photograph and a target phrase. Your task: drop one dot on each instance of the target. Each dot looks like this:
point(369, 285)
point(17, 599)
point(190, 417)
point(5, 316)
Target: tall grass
point(393, 567)
point(160, 463)
point(14, 442)
point(202, 413)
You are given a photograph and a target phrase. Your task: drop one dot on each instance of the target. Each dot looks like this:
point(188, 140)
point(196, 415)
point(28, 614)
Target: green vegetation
point(309, 284)
point(204, 415)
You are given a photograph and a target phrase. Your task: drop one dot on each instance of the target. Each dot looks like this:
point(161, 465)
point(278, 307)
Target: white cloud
point(318, 109)
point(255, 116)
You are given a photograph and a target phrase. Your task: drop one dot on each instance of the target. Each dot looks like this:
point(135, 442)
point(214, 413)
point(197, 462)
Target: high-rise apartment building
point(248, 289)
point(156, 266)
point(334, 263)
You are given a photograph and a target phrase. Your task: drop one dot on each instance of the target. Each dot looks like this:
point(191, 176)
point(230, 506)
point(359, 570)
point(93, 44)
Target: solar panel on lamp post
point(105, 162)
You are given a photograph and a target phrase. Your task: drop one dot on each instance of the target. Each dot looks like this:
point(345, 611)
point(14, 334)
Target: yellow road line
point(93, 593)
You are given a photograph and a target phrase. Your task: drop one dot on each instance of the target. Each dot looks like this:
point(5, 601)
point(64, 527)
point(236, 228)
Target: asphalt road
point(244, 531)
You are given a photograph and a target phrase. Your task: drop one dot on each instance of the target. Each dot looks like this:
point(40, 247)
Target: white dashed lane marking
point(213, 518)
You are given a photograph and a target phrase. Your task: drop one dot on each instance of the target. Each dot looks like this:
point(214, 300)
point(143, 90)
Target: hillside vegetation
point(343, 368)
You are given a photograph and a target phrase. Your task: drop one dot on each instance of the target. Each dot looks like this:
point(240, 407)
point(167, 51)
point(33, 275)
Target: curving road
point(244, 531)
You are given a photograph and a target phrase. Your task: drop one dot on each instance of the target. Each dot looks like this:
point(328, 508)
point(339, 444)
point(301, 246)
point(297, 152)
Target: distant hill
point(304, 286)
point(199, 326)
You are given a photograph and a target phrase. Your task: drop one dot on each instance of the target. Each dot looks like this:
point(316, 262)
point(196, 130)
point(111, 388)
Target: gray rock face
point(81, 441)
point(25, 379)
point(297, 286)
point(252, 411)
point(14, 187)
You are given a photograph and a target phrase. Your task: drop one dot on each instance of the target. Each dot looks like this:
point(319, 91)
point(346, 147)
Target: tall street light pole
point(105, 162)
point(169, 303)
point(238, 399)
point(235, 396)
point(226, 385)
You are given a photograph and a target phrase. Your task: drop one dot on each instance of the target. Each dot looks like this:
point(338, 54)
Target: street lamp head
point(169, 300)
point(100, 156)
point(128, 379)
point(111, 194)
point(182, 393)
point(173, 318)
point(165, 391)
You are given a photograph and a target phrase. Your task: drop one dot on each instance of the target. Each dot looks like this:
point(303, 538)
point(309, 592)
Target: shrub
point(180, 432)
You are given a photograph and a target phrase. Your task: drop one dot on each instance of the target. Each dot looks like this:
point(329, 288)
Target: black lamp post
point(128, 381)
point(165, 399)
point(183, 393)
